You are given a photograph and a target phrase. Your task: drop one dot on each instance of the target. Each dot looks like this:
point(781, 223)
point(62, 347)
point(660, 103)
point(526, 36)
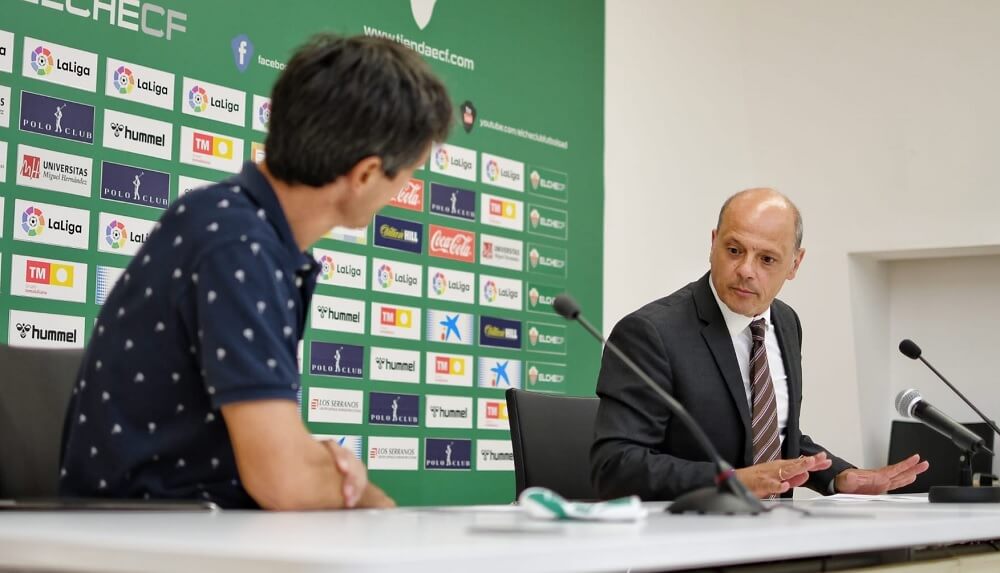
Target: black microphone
point(911, 350)
point(730, 496)
point(910, 404)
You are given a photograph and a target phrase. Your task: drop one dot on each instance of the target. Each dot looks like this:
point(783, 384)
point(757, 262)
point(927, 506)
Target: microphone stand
point(729, 496)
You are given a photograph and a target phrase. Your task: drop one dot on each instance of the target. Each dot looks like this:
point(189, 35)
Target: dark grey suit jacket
point(682, 342)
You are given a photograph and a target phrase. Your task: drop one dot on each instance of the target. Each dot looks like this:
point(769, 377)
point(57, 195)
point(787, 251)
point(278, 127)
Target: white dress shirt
point(739, 330)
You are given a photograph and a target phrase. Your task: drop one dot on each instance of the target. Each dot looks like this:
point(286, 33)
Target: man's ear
point(362, 174)
point(795, 265)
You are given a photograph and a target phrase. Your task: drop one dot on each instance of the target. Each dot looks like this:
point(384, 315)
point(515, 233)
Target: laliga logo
point(41, 61)
point(439, 283)
point(264, 113)
point(441, 158)
point(115, 234)
point(33, 221)
point(385, 276)
point(422, 11)
point(328, 267)
point(124, 80)
point(197, 99)
point(492, 170)
point(490, 291)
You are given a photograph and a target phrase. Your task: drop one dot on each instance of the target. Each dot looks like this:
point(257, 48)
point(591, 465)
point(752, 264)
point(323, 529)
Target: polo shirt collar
point(259, 189)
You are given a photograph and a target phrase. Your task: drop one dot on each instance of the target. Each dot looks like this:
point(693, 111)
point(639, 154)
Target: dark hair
point(340, 100)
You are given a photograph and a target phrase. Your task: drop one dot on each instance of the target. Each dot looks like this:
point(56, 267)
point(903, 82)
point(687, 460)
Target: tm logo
point(242, 52)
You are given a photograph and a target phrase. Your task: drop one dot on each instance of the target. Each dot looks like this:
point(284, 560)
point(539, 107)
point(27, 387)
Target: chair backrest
point(35, 387)
point(908, 438)
point(552, 436)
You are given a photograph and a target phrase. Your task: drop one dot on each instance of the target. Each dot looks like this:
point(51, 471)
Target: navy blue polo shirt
point(209, 312)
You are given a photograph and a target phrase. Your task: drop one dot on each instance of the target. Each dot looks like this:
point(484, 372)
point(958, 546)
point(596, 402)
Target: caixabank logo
point(132, 82)
point(447, 454)
point(393, 409)
point(451, 285)
point(106, 279)
point(137, 134)
point(56, 117)
point(51, 224)
point(48, 278)
point(138, 186)
point(214, 102)
point(335, 359)
point(499, 373)
point(54, 171)
point(449, 327)
point(62, 65)
point(399, 234)
point(123, 235)
point(499, 332)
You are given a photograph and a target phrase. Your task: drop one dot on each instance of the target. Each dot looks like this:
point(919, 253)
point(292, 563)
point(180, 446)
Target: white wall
point(880, 119)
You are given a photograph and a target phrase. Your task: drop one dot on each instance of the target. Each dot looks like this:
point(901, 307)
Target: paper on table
point(896, 498)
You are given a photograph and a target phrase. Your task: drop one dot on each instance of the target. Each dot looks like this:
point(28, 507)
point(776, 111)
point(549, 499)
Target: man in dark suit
point(730, 353)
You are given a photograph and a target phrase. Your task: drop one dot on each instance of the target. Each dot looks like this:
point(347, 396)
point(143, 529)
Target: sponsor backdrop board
point(423, 318)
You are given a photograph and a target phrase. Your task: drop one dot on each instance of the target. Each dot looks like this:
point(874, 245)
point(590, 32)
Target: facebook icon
point(242, 52)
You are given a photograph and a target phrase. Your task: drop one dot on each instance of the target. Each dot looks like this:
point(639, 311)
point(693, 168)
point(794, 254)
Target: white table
point(470, 539)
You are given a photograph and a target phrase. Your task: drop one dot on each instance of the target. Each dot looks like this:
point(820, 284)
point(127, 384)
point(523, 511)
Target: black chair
point(552, 437)
point(908, 438)
point(35, 387)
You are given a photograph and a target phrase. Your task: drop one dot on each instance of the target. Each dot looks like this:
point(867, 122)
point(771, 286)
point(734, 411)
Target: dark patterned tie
point(766, 445)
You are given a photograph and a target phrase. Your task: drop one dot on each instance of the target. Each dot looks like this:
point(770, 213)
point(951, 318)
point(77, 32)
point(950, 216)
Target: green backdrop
point(532, 74)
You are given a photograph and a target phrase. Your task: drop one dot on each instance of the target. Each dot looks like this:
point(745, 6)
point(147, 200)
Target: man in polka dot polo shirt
point(188, 387)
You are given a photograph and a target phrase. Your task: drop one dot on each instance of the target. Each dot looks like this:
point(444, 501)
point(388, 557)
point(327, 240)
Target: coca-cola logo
point(411, 196)
point(452, 244)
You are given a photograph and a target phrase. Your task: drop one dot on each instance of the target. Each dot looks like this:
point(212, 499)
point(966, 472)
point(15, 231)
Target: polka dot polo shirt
point(209, 312)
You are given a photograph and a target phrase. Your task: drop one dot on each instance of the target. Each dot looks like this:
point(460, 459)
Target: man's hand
point(375, 498)
point(355, 473)
point(779, 476)
point(884, 479)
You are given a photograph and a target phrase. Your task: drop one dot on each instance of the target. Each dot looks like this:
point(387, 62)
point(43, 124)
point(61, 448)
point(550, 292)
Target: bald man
point(730, 352)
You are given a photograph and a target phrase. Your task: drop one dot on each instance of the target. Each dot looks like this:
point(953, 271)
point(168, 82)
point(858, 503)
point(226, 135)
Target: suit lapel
point(716, 335)
point(788, 340)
